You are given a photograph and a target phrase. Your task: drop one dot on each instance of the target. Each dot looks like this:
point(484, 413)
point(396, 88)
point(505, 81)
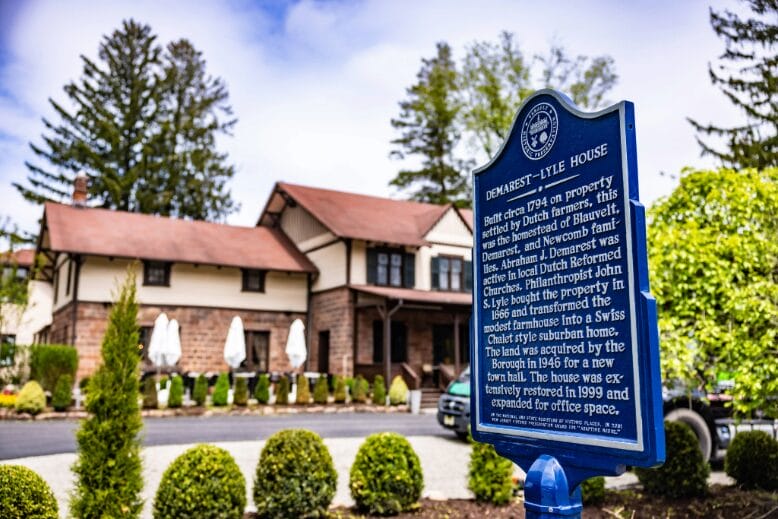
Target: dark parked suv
point(454, 405)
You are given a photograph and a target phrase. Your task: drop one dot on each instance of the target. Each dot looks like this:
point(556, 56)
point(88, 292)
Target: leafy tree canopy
point(142, 125)
point(747, 74)
point(714, 271)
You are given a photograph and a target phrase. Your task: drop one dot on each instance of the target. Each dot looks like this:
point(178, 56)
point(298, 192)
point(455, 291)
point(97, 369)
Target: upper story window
point(451, 273)
point(390, 267)
point(156, 273)
point(253, 280)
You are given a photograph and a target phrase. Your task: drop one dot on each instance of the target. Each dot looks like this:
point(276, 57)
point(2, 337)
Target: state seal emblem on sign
point(539, 131)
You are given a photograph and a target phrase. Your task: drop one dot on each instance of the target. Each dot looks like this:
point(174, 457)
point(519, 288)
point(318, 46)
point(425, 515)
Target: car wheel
point(698, 425)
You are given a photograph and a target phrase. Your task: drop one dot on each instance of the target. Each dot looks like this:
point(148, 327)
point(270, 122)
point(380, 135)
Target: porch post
point(457, 358)
point(387, 347)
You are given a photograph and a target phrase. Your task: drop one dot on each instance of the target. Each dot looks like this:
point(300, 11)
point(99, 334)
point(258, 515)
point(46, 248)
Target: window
point(257, 351)
point(390, 267)
point(399, 341)
point(156, 273)
point(253, 280)
point(451, 273)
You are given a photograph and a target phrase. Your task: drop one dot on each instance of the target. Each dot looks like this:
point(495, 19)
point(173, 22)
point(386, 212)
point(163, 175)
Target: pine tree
point(143, 129)
point(429, 130)
point(746, 74)
point(108, 468)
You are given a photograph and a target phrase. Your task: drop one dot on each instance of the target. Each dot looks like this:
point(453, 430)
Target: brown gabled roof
point(120, 234)
point(467, 216)
point(362, 217)
point(21, 257)
point(417, 296)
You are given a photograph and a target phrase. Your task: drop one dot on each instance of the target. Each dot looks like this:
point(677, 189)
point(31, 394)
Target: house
point(19, 323)
point(382, 285)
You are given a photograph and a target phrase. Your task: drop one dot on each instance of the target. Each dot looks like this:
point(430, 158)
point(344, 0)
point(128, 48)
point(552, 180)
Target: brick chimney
point(80, 189)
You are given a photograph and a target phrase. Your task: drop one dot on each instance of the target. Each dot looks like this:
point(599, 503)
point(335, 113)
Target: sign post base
point(547, 494)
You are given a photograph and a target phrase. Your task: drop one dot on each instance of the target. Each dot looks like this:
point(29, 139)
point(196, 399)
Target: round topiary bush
point(752, 460)
point(684, 472)
point(204, 481)
point(262, 391)
point(386, 476)
point(593, 490)
point(176, 396)
point(63, 393)
point(398, 391)
point(241, 397)
point(221, 390)
point(31, 399)
point(200, 391)
point(490, 476)
point(379, 390)
point(295, 476)
point(23, 494)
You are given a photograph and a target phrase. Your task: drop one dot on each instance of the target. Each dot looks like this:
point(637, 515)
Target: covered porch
point(421, 335)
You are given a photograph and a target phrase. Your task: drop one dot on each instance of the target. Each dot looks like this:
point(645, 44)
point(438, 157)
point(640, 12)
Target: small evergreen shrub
point(295, 476)
point(340, 390)
point(23, 494)
point(204, 481)
point(320, 391)
point(752, 460)
point(176, 396)
point(200, 391)
point(303, 391)
point(386, 476)
point(241, 396)
point(262, 391)
point(163, 382)
point(282, 391)
point(31, 399)
point(684, 473)
point(350, 385)
point(379, 390)
point(48, 362)
point(490, 476)
point(83, 385)
point(149, 393)
point(221, 391)
point(63, 393)
point(593, 490)
point(359, 393)
point(398, 391)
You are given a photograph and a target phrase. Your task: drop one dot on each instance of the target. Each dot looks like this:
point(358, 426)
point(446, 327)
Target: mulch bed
point(724, 502)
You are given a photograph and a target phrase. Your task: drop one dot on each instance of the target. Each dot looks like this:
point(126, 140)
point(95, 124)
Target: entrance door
point(324, 351)
point(443, 344)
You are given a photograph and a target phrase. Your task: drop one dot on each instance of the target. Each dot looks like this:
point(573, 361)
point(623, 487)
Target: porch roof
point(417, 296)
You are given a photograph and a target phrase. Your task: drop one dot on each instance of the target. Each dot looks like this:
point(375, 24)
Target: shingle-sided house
point(383, 286)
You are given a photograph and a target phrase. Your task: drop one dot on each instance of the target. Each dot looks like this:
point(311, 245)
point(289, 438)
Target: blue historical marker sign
point(565, 343)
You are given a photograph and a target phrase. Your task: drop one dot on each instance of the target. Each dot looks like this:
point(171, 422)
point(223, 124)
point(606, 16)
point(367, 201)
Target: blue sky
point(315, 84)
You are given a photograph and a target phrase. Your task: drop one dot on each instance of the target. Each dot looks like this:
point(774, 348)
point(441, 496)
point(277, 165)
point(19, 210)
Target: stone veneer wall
point(333, 310)
point(203, 332)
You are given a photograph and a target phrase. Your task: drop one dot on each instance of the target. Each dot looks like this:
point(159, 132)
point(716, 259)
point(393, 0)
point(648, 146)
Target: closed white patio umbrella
point(173, 343)
point(295, 344)
point(158, 342)
point(235, 345)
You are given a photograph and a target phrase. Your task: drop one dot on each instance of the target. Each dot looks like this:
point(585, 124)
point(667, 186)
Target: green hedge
point(490, 476)
point(48, 362)
point(24, 494)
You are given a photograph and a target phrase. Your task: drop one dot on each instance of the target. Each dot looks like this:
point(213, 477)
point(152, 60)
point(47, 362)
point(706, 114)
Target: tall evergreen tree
point(108, 468)
point(142, 126)
point(747, 75)
point(429, 130)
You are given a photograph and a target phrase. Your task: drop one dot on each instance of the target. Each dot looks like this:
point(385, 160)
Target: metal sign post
point(565, 376)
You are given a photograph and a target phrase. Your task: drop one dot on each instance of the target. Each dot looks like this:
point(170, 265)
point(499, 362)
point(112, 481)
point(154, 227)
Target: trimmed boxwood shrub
point(221, 390)
point(489, 476)
point(262, 391)
point(149, 393)
point(379, 390)
point(361, 389)
point(63, 393)
point(282, 391)
point(23, 494)
point(386, 476)
point(200, 391)
point(593, 490)
point(398, 391)
point(31, 399)
point(320, 391)
point(340, 390)
point(176, 396)
point(684, 473)
point(752, 460)
point(295, 476)
point(241, 396)
point(204, 481)
point(303, 396)
point(48, 362)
